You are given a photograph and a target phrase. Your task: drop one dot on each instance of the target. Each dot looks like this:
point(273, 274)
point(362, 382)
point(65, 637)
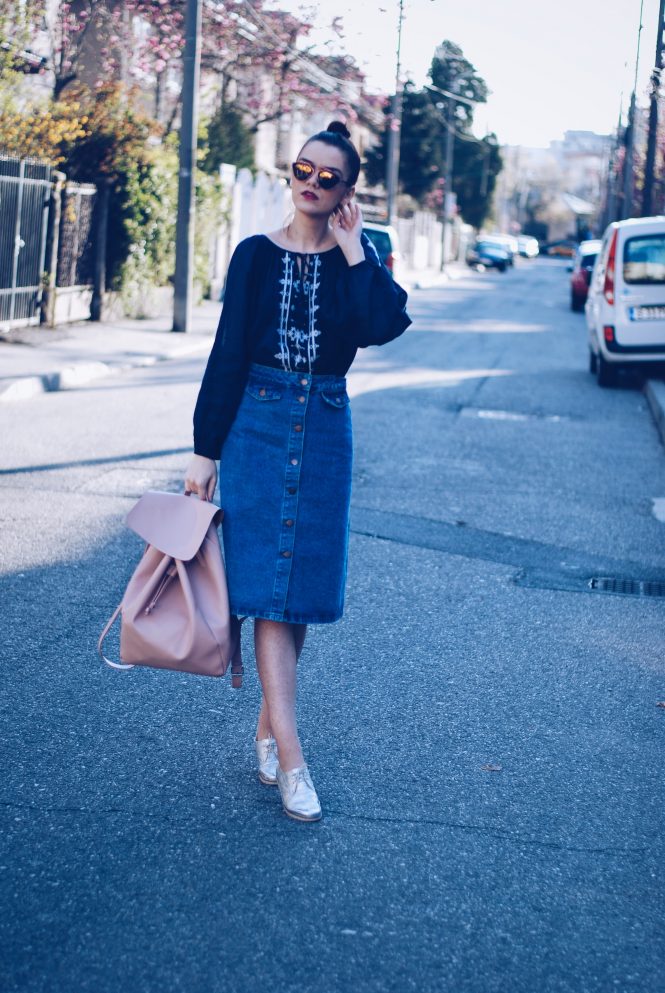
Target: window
point(644, 259)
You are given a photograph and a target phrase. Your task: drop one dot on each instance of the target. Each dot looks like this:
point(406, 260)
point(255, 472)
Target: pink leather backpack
point(175, 611)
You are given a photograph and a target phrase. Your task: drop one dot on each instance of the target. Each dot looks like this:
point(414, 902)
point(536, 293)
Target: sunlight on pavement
point(370, 382)
point(483, 326)
point(658, 508)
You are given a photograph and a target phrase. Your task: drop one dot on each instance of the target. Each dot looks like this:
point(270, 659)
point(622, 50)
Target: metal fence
point(75, 243)
point(25, 191)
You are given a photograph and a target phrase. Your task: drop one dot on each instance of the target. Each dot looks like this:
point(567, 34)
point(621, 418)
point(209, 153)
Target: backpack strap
point(102, 637)
point(237, 670)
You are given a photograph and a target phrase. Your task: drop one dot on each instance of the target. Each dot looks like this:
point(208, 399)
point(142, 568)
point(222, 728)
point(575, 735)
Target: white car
point(507, 241)
point(625, 308)
point(528, 246)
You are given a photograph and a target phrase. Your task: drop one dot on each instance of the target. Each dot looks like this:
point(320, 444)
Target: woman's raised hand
point(347, 226)
point(201, 477)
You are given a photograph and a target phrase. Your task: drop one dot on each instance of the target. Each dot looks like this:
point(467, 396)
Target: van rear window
point(644, 259)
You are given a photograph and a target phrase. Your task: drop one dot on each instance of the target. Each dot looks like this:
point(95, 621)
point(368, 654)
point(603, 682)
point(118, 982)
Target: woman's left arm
point(376, 303)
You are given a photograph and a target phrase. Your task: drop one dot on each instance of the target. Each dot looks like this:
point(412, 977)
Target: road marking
point(510, 415)
point(658, 508)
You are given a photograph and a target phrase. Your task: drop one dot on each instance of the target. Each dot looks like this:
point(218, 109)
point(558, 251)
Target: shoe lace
point(297, 777)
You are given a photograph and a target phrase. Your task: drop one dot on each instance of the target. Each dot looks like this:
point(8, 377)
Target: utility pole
point(394, 135)
point(448, 173)
point(184, 243)
point(611, 200)
point(650, 163)
point(629, 138)
point(628, 165)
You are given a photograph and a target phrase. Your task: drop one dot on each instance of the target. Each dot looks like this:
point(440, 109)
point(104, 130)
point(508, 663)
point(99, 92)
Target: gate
point(75, 267)
point(25, 190)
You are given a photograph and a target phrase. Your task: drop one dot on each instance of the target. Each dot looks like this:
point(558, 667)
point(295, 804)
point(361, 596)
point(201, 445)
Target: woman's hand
point(347, 226)
point(201, 477)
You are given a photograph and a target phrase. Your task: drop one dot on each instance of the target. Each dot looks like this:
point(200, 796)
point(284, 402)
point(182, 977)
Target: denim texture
point(285, 484)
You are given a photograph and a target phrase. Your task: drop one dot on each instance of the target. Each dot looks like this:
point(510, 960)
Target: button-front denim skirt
point(285, 481)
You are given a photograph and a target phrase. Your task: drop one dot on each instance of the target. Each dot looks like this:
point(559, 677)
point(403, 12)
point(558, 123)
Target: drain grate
point(628, 587)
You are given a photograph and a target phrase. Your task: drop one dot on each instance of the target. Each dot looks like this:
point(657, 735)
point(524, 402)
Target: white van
point(625, 308)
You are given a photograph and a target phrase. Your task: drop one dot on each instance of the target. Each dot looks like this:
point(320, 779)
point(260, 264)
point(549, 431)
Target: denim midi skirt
point(285, 483)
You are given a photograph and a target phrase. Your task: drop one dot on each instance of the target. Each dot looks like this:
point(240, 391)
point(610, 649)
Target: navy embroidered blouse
point(295, 312)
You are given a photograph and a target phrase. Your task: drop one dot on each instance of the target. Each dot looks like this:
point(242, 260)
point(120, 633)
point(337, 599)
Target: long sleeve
point(226, 372)
point(377, 303)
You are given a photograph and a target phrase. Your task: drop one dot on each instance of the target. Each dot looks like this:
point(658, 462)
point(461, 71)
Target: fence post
point(47, 313)
point(99, 278)
point(18, 241)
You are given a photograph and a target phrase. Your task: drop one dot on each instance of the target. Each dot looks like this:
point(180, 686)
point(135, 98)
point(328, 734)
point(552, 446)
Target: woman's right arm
point(226, 372)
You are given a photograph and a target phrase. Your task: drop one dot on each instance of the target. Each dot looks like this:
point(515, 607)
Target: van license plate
point(655, 313)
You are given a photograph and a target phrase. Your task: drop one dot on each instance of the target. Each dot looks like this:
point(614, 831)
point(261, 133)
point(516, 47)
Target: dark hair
point(337, 134)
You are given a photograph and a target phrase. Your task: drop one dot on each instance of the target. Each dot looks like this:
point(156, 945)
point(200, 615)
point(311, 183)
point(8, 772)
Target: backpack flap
point(173, 523)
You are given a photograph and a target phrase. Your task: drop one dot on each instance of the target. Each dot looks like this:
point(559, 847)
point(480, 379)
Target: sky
point(551, 65)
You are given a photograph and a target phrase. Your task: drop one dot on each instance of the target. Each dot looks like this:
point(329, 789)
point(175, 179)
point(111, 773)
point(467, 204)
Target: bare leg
point(264, 729)
point(278, 647)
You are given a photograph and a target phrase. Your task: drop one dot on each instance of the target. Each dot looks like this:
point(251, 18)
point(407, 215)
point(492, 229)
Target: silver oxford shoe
point(298, 794)
point(266, 753)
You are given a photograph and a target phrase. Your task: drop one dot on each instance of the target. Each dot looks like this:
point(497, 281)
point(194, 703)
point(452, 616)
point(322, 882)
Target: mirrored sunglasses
point(327, 180)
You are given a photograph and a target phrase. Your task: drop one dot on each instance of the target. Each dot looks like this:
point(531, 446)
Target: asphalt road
point(482, 728)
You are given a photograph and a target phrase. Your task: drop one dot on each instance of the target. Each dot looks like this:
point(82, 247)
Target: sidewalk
point(429, 279)
point(654, 390)
point(35, 360)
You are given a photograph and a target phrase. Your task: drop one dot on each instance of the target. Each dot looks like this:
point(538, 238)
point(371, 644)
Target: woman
point(273, 408)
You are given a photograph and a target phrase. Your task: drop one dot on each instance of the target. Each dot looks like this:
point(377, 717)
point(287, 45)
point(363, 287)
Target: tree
point(91, 38)
point(426, 116)
point(452, 72)
point(420, 149)
point(227, 140)
point(19, 23)
point(477, 164)
point(264, 53)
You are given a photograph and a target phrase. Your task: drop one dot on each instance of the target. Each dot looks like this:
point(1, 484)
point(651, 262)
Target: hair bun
point(339, 127)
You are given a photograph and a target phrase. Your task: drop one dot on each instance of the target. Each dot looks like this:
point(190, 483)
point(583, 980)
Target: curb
point(654, 390)
point(79, 373)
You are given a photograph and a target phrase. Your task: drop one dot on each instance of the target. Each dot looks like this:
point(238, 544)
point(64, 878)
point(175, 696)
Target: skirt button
point(298, 427)
point(286, 555)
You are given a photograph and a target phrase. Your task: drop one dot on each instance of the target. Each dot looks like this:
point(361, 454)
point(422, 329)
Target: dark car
point(384, 238)
point(581, 269)
point(563, 248)
point(489, 255)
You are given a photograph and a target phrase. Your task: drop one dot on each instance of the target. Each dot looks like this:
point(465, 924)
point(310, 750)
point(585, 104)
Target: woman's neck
point(309, 234)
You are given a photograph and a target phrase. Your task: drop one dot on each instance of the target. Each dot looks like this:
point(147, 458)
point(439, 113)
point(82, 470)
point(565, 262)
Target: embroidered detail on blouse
point(298, 348)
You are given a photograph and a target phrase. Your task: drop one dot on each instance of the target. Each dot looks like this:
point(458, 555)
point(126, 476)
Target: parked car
point(385, 240)
point(487, 254)
point(625, 308)
point(581, 269)
point(527, 246)
point(505, 241)
point(563, 248)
